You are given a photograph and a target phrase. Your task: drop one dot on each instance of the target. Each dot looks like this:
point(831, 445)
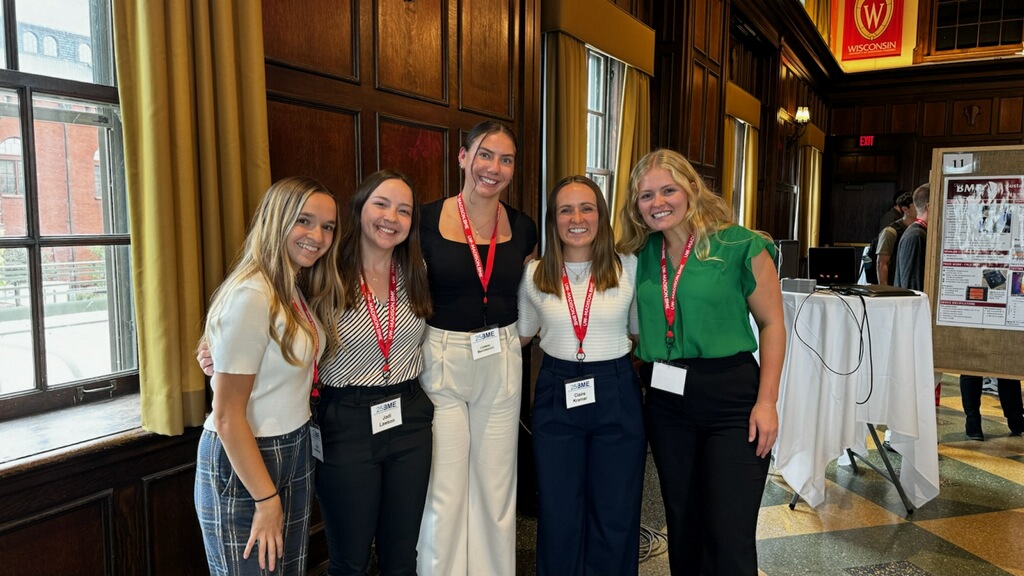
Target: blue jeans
point(225, 508)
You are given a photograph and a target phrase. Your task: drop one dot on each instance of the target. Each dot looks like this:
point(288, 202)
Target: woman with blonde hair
point(254, 475)
point(710, 410)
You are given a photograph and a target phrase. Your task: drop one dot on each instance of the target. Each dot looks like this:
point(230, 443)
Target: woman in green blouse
point(710, 411)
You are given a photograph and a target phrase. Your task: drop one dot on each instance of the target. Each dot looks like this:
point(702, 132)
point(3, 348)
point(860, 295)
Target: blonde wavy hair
point(706, 212)
point(265, 253)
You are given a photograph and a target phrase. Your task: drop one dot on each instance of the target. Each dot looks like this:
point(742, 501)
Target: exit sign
point(867, 140)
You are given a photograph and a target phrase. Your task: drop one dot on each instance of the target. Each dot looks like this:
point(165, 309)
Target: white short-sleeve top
point(240, 343)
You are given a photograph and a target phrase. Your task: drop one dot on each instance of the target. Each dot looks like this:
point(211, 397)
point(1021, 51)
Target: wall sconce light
point(802, 118)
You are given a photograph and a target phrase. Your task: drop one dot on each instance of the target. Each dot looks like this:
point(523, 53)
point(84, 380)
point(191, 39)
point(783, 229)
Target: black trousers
point(711, 478)
point(590, 470)
point(373, 485)
point(1009, 398)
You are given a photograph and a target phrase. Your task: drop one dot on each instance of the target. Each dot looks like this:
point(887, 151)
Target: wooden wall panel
point(486, 34)
point(716, 29)
point(843, 121)
point(171, 526)
point(698, 93)
point(872, 119)
point(417, 150)
point(934, 119)
point(69, 539)
point(312, 141)
point(713, 120)
point(971, 117)
point(904, 118)
point(316, 35)
point(1010, 115)
point(411, 47)
point(700, 26)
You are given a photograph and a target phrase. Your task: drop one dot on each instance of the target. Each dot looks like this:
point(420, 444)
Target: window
point(66, 303)
point(50, 46)
point(973, 28)
point(604, 75)
point(85, 54)
point(30, 43)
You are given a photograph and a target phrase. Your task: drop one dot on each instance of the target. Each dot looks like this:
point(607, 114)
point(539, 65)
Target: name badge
point(579, 392)
point(669, 377)
point(485, 342)
point(316, 442)
point(386, 415)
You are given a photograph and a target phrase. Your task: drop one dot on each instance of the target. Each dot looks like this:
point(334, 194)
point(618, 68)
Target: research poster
point(982, 256)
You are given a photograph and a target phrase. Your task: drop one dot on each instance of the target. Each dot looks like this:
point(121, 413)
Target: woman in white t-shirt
point(588, 432)
point(254, 474)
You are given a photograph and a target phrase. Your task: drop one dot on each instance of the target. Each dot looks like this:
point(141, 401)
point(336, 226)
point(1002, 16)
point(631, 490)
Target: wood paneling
point(972, 117)
point(312, 141)
point(316, 35)
point(1010, 117)
point(72, 538)
point(843, 121)
point(421, 152)
point(716, 30)
point(934, 119)
point(485, 55)
point(904, 118)
point(698, 93)
point(700, 26)
point(173, 525)
point(411, 47)
point(714, 92)
point(872, 119)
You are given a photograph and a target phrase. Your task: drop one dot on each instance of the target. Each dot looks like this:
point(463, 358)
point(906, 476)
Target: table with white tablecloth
point(822, 412)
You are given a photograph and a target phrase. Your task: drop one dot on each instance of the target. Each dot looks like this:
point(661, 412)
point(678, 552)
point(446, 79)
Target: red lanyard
point(922, 223)
point(669, 301)
point(384, 342)
point(316, 344)
point(580, 328)
point(467, 229)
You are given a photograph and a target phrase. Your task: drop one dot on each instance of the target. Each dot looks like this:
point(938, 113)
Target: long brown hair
point(407, 255)
point(706, 212)
point(605, 265)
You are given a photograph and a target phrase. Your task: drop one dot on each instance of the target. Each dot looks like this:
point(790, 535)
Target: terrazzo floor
point(974, 527)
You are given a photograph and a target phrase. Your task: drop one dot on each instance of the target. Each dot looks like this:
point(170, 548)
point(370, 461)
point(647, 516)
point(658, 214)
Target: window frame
point(927, 27)
point(612, 98)
point(43, 397)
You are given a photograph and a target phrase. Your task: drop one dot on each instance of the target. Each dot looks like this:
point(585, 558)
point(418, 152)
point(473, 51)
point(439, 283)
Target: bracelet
point(276, 492)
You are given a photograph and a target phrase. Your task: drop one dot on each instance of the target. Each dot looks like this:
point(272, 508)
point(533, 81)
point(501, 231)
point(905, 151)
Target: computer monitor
point(833, 265)
point(787, 258)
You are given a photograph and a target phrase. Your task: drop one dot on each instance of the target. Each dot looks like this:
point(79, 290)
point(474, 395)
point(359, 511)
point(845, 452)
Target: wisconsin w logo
point(872, 17)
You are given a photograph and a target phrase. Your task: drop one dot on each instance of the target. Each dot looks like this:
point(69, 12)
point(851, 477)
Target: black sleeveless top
point(454, 285)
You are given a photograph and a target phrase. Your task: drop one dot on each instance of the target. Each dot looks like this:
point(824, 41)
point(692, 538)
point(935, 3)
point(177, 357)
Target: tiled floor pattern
point(974, 528)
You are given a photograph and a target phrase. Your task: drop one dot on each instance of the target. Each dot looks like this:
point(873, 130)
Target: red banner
point(872, 29)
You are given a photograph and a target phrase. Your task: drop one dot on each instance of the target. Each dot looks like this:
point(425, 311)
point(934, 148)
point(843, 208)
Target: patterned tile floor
point(975, 526)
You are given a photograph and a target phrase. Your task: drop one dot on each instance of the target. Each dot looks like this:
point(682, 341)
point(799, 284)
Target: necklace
point(578, 269)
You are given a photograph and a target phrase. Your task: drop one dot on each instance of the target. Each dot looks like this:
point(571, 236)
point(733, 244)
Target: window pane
point(61, 28)
point(12, 168)
point(87, 298)
point(16, 356)
point(595, 83)
point(594, 137)
point(69, 135)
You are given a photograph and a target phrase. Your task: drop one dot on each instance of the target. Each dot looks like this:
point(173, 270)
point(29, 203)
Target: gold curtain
point(565, 108)
point(193, 94)
point(750, 206)
point(634, 135)
point(810, 198)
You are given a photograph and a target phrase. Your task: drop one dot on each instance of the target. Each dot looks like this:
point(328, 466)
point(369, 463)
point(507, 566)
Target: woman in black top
point(475, 246)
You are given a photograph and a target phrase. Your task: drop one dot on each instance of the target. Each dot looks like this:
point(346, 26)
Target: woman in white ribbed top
point(588, 434)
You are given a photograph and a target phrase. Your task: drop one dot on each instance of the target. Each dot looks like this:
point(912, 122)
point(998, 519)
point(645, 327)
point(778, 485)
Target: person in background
point(887, 251)
point(910, 255)
point(475, 247)
point(1009, 398)
point(588, 432)
point(254, 474)
point(374, 416)
point(893, 213)
point(710, 411)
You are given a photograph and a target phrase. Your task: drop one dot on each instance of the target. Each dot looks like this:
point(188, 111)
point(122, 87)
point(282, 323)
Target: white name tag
point(669, 377)
point(386, 414)
point(316, 442)
point(485, 342)
point(579, 392)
